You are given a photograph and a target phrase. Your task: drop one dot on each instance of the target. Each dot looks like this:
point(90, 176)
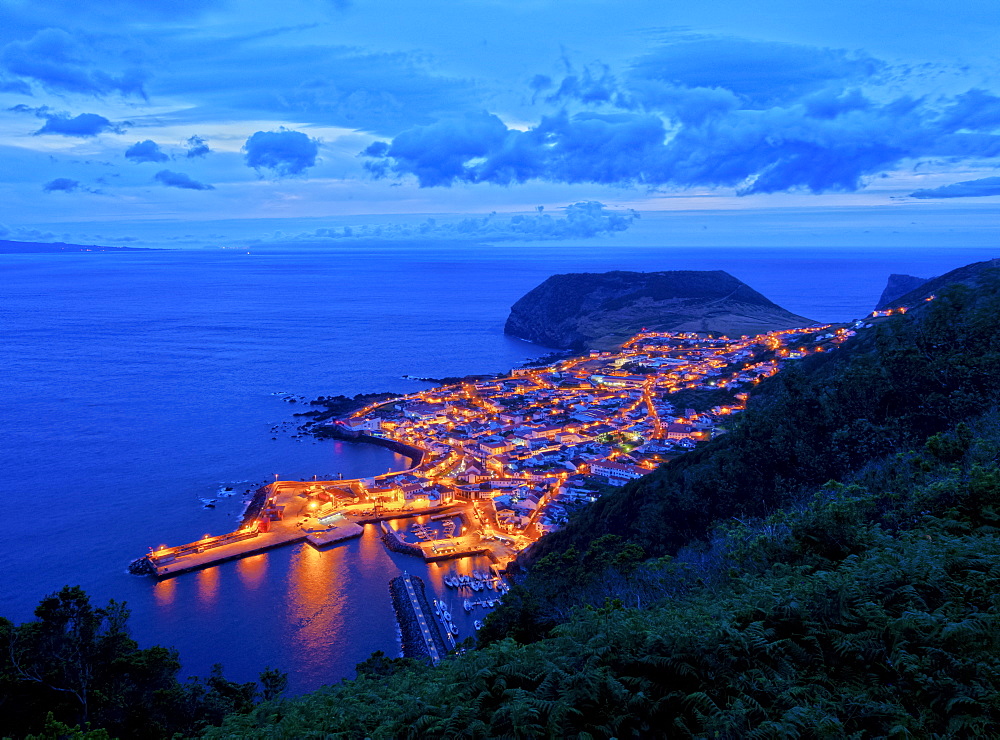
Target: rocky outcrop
point(897, 286)
point(601, 310)
point(973, 276)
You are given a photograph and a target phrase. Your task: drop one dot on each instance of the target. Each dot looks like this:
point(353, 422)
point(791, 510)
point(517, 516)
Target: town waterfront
point(136, 385)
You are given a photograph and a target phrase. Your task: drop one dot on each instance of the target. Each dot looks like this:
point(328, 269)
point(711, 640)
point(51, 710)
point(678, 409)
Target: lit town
point(498, 463)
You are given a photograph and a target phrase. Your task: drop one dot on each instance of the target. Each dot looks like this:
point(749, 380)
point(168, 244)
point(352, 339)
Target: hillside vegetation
point(830, 568)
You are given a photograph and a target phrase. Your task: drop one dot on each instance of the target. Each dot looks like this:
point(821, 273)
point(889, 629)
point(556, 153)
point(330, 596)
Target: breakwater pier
point(279, 521)
point(320, 514)
point(421, 634)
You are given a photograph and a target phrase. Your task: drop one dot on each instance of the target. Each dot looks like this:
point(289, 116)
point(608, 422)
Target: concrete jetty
point(421, 634)
point(205, 553)
point(284, 518)
point(315, 512)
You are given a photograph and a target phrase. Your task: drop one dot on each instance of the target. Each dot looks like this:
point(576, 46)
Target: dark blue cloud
point(975, 110)
point(767, 118)
point(760, 73)
point(59, 62)
point(283, 152)
point(146, 151)
point(61, 184)
point(589, 86)
point(197, 147)
point(180, 180)
point(966, 189)
point(439, 154)
point(833, 103)
point(82, 125)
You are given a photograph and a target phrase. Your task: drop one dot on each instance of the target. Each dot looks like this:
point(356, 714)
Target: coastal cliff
point(897, 286)
point(601, 310)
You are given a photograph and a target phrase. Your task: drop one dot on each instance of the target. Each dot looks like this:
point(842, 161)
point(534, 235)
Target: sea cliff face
point(897, 286)
point(601, 310)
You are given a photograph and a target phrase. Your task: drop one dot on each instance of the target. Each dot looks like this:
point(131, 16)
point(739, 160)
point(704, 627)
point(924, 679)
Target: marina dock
point(205, 553)
point(291, 512)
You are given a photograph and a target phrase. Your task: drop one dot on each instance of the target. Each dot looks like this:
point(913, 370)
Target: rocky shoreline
point(394, 542)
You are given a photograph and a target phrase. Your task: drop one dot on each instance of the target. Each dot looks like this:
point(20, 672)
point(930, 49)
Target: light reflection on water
point(314, 603)
point(252, 570)
point(208, 586)
point(328, 610)
point(164, 592)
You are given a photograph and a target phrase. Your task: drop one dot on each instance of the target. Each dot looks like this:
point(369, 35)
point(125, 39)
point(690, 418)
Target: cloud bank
point(61, 184)
point(145, 151)
point(82, 125)
point(197, 147)
point(180, 180)
point(966, 189)
point(283, 152)
point(582, 220)
point(757, 117)
point(62, 63)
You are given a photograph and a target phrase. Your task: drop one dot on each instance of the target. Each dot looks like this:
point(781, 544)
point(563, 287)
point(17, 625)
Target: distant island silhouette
point(12, 247)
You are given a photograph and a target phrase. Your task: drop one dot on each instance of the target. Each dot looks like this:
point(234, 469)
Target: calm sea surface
point(133, 385)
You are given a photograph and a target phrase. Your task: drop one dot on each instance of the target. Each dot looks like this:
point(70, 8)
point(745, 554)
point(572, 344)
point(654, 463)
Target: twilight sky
point(332, 120)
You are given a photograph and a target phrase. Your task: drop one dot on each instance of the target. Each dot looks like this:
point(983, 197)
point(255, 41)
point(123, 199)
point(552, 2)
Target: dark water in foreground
point(131, 385)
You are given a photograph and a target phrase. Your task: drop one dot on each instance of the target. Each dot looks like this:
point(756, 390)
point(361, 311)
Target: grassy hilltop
point(601, 310)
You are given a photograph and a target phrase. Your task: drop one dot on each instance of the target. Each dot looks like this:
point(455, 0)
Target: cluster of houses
point(542, 440)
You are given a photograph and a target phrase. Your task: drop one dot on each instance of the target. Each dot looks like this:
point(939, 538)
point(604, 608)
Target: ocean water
point(134, 384)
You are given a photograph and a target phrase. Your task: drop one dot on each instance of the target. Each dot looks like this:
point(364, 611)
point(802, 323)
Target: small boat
point(437, 607)
point(478, 625)
point(467, 605)
point(490, 603)
point(453, 629)
point(446, 615)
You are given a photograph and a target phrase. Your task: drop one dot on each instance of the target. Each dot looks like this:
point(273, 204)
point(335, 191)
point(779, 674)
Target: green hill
point(602, 310)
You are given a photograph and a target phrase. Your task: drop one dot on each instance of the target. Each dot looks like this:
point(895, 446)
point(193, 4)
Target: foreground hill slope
point(601, 310)
point(829, 568)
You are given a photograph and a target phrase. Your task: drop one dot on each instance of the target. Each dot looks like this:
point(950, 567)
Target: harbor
point(325, 513)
